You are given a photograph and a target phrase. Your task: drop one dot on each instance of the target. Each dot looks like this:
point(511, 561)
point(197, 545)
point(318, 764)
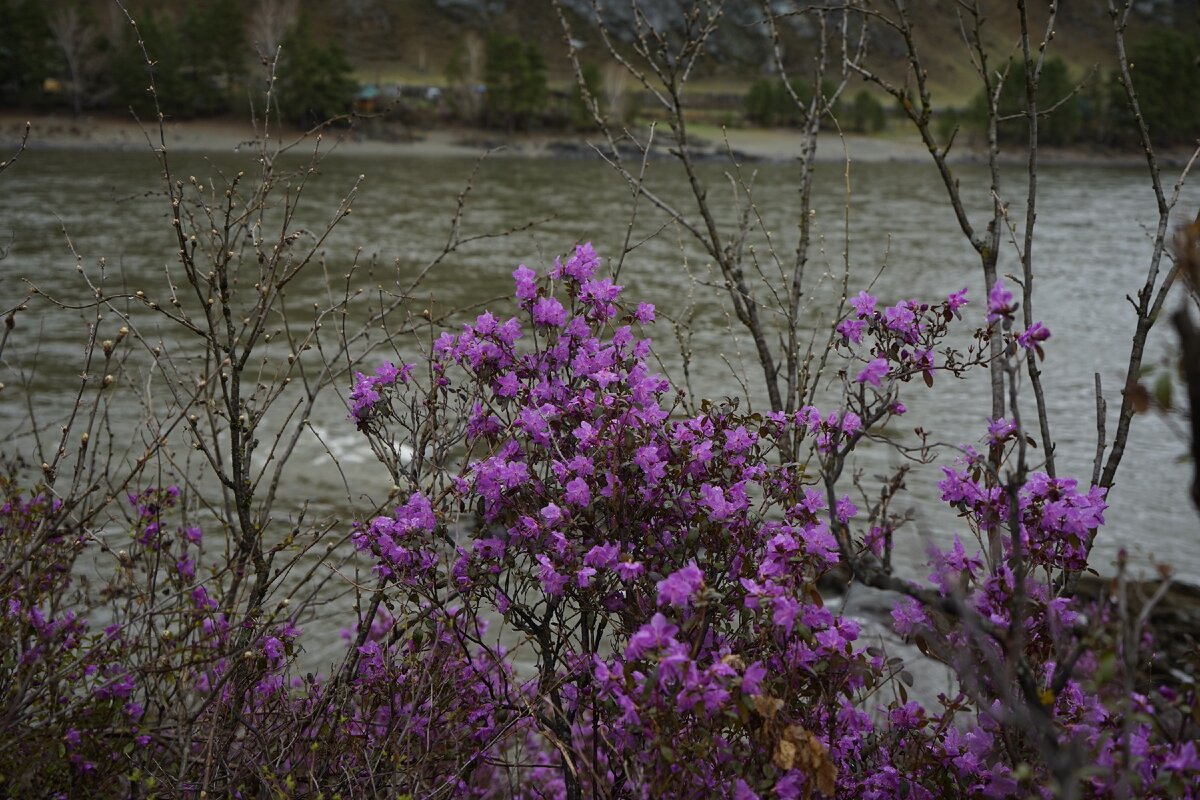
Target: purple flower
point(957, 300)
point(552, 582)
point(1029, 339)
point(1000, 302)
point(873, 372)
point(1000, 429)
point(785, 609)
point(201, 600)
point(273, 650)
point(910, 715)
point(386, 373)
point(864, 304)
point(908, 616)
point(900, 317)
point(742, 791)
point(485, 324)
point(644, 313)
point(1183, 759)
point(739, 439)
point(679, 587)
point(820, 543)
point(415, 515)
point(577, 493)
point(551, 513)
point(526, 280)
point(628, 570)
point(602, 555)
point(548, 311)
point(363, 396)
point(581, 266)
point(846, 509)
point(713, 499)
point(509, 332)
point(507, 385)
point(852, 329)
point(655, 633)
point(186, 568)
point(752, 678)
point(599, 291)
point(586, 433)
point(923, 360)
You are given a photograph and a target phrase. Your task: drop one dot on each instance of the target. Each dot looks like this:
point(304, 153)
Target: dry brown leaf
point(785, 754)
point(767, 706)
point(1140, 398)
point(800, 749)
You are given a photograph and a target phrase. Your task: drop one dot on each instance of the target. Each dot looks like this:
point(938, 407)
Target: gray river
point(1092, 248)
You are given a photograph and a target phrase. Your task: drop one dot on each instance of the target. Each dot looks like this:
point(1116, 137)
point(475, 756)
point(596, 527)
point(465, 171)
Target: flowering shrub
point(663, 567)
point(585, 590)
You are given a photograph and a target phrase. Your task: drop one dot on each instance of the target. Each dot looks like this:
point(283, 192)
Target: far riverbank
point(371, 138)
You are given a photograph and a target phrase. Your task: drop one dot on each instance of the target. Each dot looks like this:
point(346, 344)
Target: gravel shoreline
point(112, 134)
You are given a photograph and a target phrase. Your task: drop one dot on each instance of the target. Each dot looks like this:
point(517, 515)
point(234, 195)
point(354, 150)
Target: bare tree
point(78, 38)
point(615, 81)
point(269, 23)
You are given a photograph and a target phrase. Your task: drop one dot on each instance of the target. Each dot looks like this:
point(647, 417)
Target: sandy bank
point(114, 134)
point(109, 134)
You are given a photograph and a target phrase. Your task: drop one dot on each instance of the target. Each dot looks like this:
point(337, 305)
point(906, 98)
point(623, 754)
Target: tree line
point(66, 54)
point(1072, 109)
point(1095, 110)
point(69, 55)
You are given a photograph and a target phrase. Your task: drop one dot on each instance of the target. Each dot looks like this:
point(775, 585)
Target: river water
point(1092, 246)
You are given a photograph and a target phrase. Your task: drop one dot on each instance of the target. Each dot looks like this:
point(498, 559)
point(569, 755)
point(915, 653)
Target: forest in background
point(487, 63)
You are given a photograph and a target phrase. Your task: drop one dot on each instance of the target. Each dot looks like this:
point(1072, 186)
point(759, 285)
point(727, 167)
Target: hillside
point(414, 40)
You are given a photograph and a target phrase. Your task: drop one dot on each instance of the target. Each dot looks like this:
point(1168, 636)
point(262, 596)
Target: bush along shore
point(583, 581)
point(662, 567)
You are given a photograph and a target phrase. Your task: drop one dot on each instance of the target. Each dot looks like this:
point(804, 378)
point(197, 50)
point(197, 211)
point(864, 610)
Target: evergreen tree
point(27, 52)
point(867, 114)
point(315, 82)
point(769, 102)
point(1166, 74)
point(515, 76)
point(212, 40)
point(760, 103)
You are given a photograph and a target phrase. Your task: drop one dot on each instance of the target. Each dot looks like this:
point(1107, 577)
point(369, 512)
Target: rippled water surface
point(1091, 252)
